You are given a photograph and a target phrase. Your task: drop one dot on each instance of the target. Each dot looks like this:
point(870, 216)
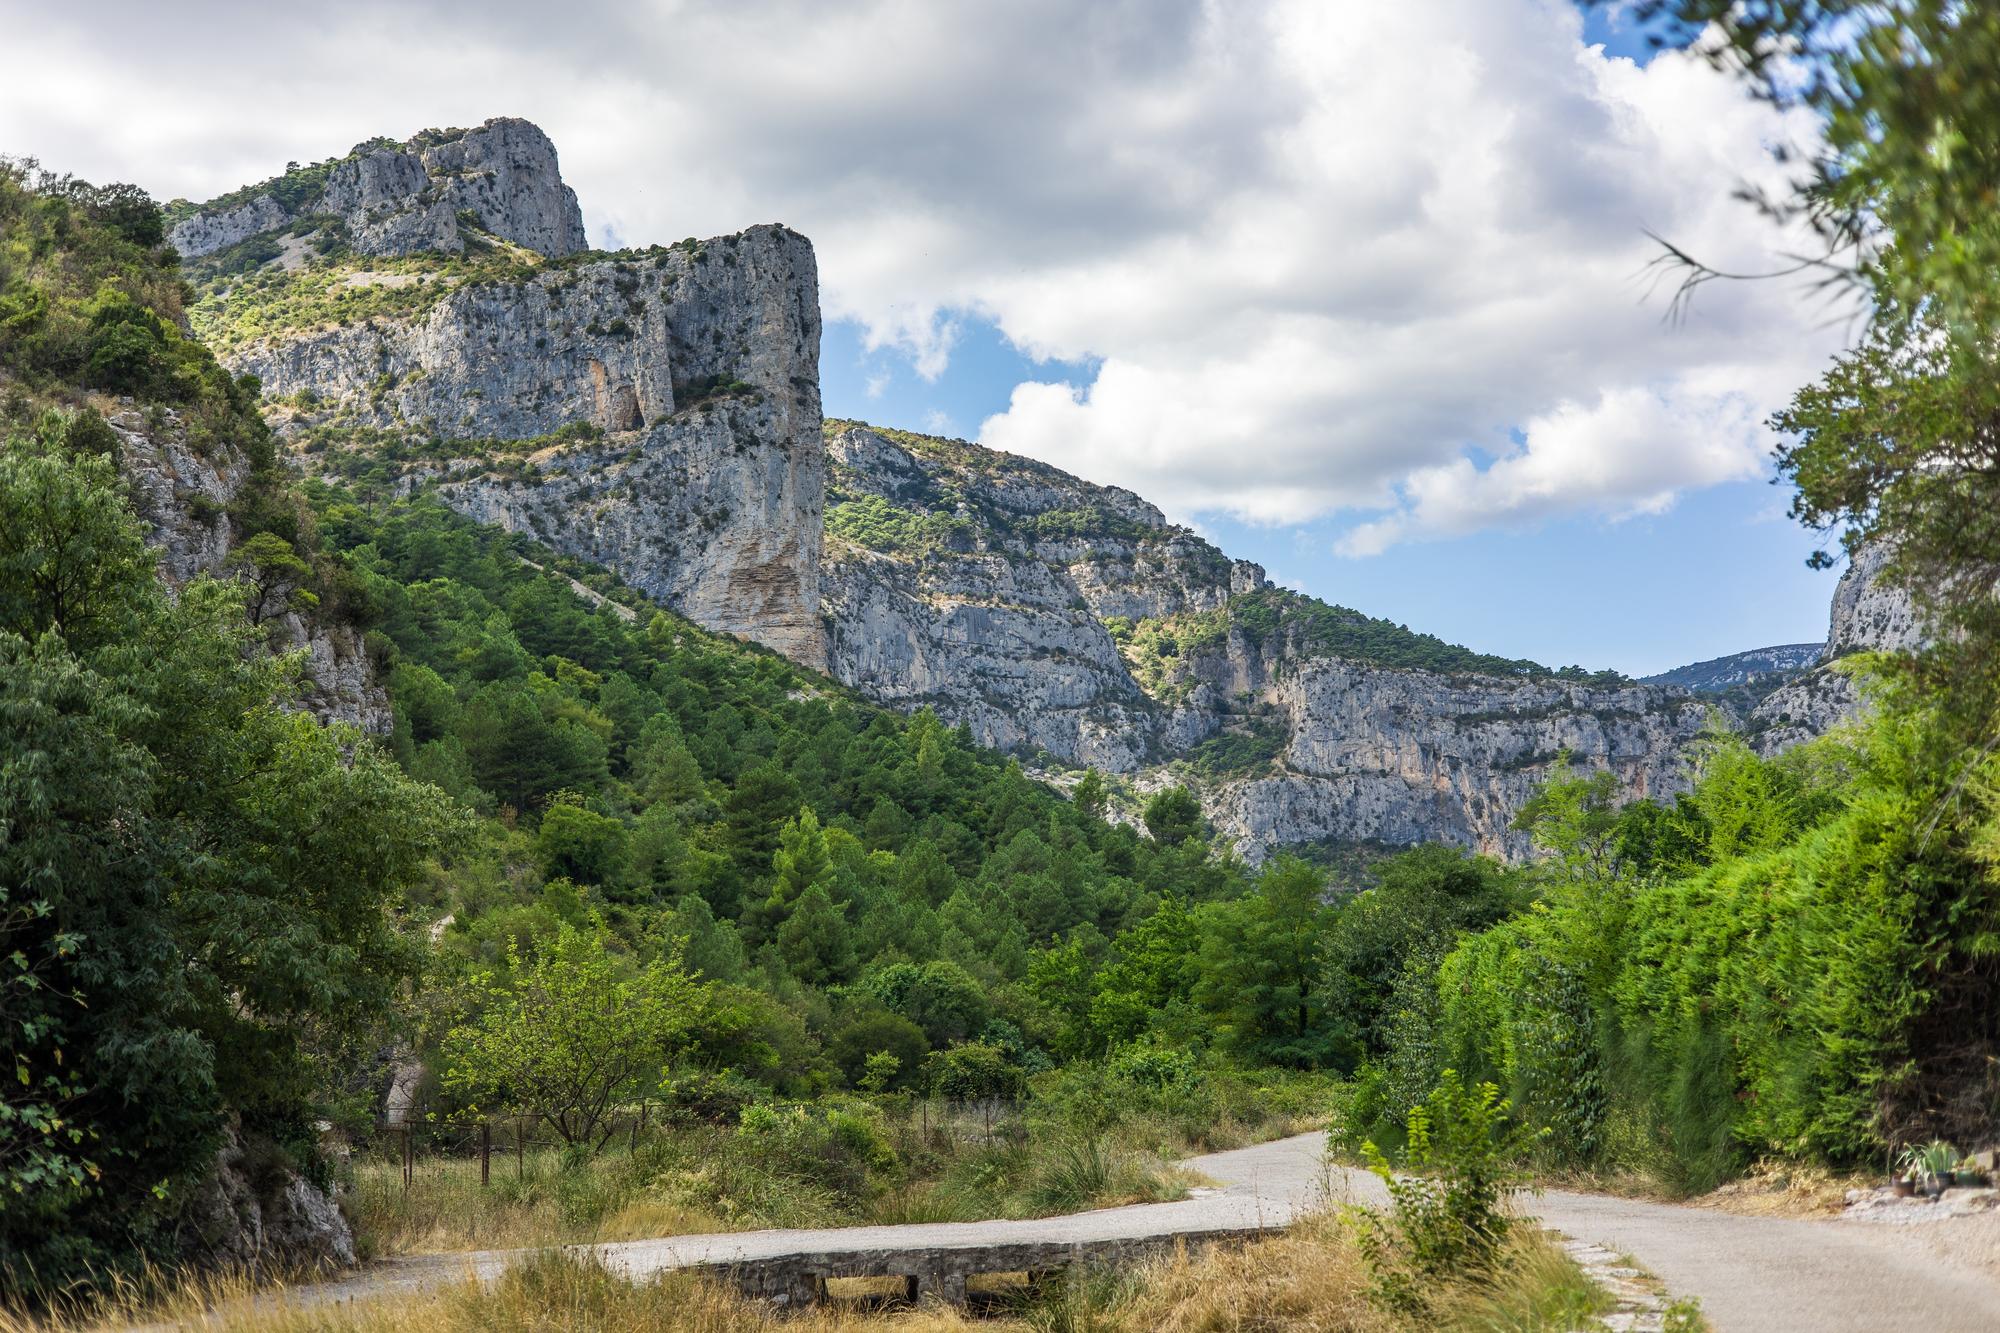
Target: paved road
point(1752, 1274)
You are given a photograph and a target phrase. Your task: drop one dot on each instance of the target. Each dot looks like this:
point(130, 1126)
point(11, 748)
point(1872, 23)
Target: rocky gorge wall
point(1049, 614)
point(658, 412)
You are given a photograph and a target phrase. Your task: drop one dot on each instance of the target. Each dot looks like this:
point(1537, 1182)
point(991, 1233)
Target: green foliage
point(872, 876)
point(871, 521)
point(1421, 902)
point(1173, 816)
point(1250, 750)
point(91, 300)
point(197, 888)
point(973, 1070)
point(1264, 973)
point(572, 1034)
point(1801, 977)
point(1894, 446)
point(1446, 1192)
point(1280, 616)
point(247, 300)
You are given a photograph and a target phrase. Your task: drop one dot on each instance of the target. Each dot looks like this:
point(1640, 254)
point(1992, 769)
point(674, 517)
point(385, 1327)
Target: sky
point(1359, 291)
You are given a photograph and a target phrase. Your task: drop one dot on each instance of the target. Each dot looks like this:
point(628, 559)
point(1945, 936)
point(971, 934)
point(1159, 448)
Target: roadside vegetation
point(1310, 1278)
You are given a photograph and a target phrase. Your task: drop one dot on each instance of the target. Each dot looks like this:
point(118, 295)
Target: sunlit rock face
point(1868, 615)
point(657, 412)
point(402, 199)
point(996, 591)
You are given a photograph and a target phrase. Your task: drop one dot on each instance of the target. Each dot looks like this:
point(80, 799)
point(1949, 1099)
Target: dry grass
point(691, 1185)
point(1785, 1189)
point(549, 1292)
point(1309, 1279)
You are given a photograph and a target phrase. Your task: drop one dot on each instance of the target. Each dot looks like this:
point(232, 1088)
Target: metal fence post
point(519, 1152)
point(485, 1153)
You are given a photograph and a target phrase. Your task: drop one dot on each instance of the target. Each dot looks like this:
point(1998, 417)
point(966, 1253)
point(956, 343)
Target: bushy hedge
point(1809, 982)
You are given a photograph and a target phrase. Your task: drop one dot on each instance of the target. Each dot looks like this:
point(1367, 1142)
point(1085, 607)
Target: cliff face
point(183, 496)
point(657, 411)
point(401, 199)
point(979, 584)
point(1868, 615)
point(1410, 756)
point(1046, 613)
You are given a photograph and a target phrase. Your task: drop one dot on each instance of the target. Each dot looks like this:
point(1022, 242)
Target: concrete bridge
point(940, 1272)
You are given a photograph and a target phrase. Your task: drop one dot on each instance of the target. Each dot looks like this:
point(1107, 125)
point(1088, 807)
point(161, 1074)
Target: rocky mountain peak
point(392, 198)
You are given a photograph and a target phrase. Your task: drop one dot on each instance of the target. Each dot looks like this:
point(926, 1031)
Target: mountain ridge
point(657, 412)
point(1716, 674)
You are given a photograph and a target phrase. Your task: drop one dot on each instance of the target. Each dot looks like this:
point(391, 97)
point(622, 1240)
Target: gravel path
point(1752, 1274)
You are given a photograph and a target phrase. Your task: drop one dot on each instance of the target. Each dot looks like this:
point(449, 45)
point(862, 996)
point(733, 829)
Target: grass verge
point(1310, 1278)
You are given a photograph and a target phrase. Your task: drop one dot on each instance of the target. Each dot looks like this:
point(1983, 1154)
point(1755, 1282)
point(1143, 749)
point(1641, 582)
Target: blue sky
point(1721, 571)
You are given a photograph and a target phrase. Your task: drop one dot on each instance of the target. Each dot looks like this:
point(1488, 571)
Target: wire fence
point(425, 1136)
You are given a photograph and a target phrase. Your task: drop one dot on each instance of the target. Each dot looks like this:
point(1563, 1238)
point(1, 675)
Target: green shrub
point(1446, 1190)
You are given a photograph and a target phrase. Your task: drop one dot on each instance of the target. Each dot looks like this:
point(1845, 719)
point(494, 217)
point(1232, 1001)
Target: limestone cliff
point(658, 412)
point(1049, 614)
point(184, 496)
point(655, 411)
point(1868, 615)
point(387, 198)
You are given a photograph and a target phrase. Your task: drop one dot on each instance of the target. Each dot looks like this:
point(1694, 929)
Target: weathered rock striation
point(1049, 614)
point(400, 199)
point(986, 592)
point(657, 411)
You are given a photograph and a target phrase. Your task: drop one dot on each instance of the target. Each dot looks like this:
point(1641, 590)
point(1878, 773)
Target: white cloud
point(1317, 249)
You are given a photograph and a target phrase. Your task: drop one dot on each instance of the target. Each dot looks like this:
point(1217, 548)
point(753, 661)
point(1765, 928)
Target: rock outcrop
point(184, 496)
point(255, 1213)
point(654, 411)
point(400, 199)
point(1868, 615)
